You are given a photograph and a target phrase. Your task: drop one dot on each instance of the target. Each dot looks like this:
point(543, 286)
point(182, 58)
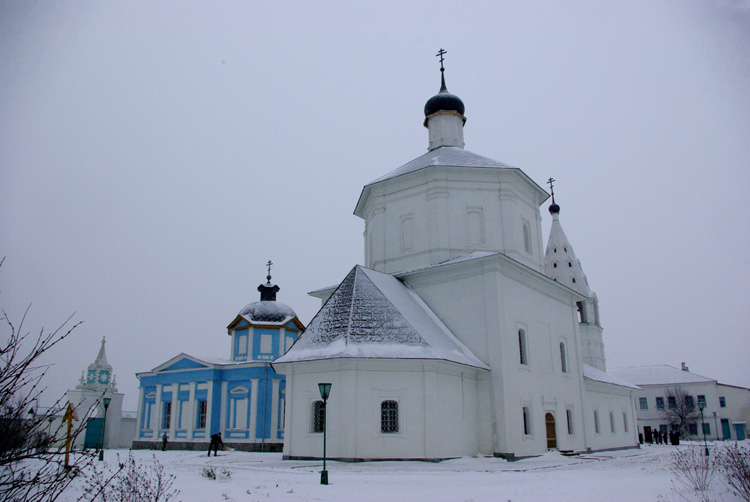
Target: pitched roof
point(444, 156)
point(560, 262)
point(661, 374)
point(375, 316)
point(600, 376)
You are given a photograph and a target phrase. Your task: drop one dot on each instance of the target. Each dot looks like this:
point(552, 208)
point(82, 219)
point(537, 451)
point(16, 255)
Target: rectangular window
point(612, 422)
point(644, 403)
point(289, 343)
point(693, 429)
point(522, 348)
point(241, 344)
point(202, 409)
point(707, 428)
point(389, 416)
point(569, 416)
point(701, 401)
point(689, 401)
point(319, 416)
point(526, 421)
point(167, 418)
point(266, 344)
point(596, 421)
point(563, 358)
point(672, 401)
point(722, 402)
point(624, 421)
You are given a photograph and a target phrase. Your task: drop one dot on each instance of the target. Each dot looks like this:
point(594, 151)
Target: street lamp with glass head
point(701, 405)
point(325, 391)
point(106, 402)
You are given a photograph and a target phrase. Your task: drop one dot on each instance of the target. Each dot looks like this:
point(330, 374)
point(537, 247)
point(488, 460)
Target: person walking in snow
point(215, 442)
point(164, 440)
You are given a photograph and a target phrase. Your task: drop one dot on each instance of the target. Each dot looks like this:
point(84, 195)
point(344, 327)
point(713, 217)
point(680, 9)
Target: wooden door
point(549, 419)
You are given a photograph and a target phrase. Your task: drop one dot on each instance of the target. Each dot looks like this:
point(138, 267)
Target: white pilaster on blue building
point(190, 398)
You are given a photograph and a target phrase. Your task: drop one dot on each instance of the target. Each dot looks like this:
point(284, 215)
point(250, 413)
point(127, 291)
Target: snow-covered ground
point(629, 475)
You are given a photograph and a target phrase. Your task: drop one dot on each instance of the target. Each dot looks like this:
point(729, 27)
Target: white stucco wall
point(434, 398)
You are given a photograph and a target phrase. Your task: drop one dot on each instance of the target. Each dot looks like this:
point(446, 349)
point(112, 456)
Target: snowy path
point(628, 475)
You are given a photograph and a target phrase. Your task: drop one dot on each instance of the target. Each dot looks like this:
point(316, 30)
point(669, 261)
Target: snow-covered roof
point(267, 312)
point(444, 156)
point(661, 374)
point(374, 315)
point(598, 375)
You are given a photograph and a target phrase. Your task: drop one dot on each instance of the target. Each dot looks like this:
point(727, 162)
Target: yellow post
point(70, 415)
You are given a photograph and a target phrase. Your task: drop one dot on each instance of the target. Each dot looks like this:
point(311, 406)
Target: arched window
point(522, 347)
point(474, 227)
point(389, 416)
point(407, 233)
point(526, 420)
point(318, 416)
point(569, 416)
point(563, 358)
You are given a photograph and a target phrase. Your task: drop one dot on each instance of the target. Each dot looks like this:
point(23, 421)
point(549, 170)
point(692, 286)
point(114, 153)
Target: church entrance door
point(549, 419)
point(93, 438)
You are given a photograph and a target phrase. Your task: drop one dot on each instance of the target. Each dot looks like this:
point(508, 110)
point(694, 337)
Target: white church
point(460, 335)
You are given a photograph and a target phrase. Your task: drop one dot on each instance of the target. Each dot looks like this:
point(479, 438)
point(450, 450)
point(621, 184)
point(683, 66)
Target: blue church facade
point(190, 398)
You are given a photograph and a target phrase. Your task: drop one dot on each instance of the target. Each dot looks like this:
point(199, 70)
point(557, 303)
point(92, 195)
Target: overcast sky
point(153, 157)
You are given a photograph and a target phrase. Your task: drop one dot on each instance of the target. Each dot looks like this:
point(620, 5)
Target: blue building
point(190, 398)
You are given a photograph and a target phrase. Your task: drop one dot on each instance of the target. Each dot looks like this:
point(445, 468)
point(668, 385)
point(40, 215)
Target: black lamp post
point(701, 406)
point(325, 391)
point(106, 402)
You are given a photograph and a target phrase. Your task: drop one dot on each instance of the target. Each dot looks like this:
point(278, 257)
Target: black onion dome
point(554, 209)
point(266, 311)
point(443, 101)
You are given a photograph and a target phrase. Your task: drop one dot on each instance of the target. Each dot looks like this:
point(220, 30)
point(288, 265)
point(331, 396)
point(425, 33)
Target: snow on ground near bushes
point(627, 475)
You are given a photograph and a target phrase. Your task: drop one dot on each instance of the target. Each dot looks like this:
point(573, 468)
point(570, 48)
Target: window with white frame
point(596, 421)
point(643, 401)
point(167, 417)
point(526, 237)
point(526, 421)
point(569, 416)
point(389, 416)
point(523, 347)
point(201, 415)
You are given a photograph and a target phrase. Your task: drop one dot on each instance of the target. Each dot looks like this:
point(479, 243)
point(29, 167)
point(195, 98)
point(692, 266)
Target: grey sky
point(154, 157)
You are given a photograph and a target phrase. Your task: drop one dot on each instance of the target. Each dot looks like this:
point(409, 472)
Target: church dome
point(267, 311)
point(443, 101)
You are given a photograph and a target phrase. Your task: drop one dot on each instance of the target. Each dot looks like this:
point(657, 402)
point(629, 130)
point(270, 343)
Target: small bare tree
point(31, 454)
point(680, 410)
point(734, 465)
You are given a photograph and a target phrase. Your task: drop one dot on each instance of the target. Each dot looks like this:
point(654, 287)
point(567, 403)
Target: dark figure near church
point(164, 439)
point(215, 443)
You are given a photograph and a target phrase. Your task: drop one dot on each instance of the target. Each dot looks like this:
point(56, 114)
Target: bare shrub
point(31, 453)
point(734, 467)
point(693, 470)
point(210, 473)
point(131, 482)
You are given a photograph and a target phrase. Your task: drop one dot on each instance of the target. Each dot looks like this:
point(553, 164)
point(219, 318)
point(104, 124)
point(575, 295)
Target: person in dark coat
point(164, 440)
point(215, 442)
